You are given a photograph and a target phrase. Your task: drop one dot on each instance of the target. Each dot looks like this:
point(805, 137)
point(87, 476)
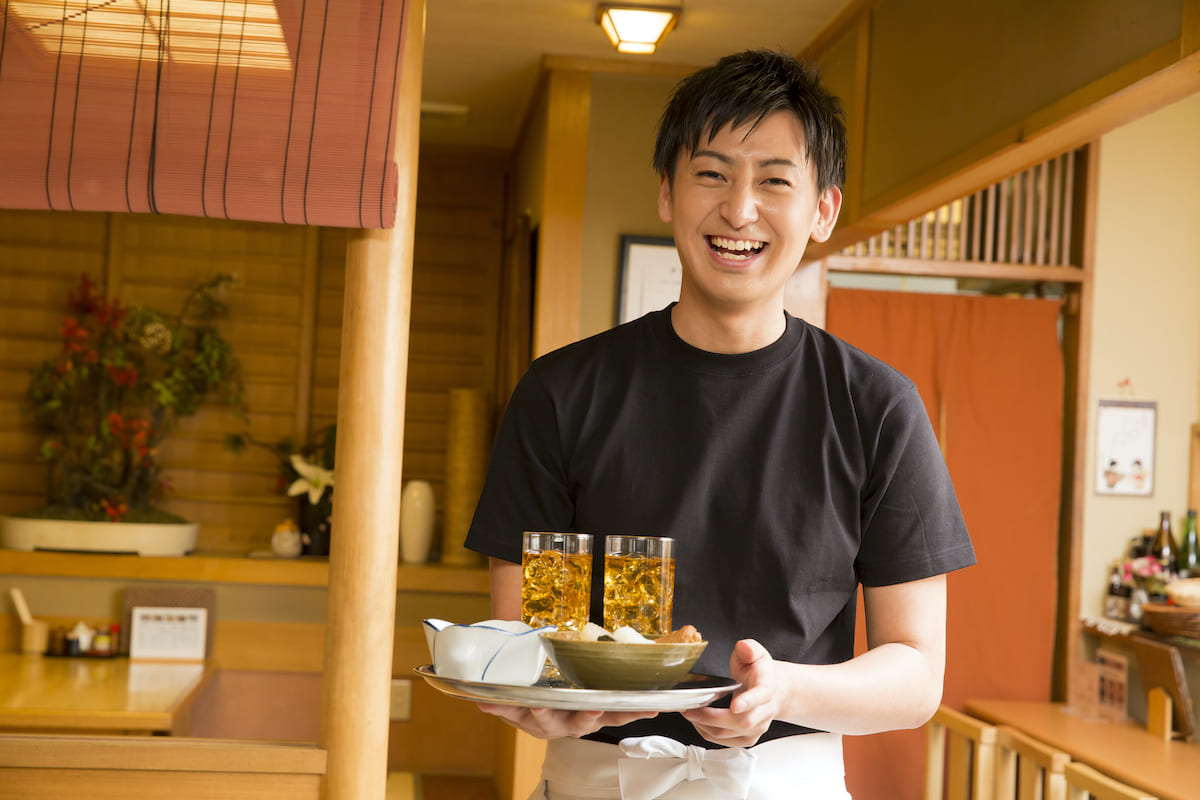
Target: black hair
point(746, 87)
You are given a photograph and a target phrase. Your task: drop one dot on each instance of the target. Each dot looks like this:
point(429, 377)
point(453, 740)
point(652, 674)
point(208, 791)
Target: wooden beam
point(846, 19)
point(1146, 84)
point(560, 240)
point(1077, 349)
point(371, 397)
point(954, 269)
point(856, 137)
point(617, 66)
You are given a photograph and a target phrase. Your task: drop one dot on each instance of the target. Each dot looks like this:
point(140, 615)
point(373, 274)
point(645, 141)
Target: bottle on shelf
point(1163, 549)
point(1116, 604)
point(1188, 560)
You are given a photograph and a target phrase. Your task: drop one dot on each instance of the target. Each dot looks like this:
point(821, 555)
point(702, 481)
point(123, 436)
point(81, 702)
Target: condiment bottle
point(102, 641)
point(1163, 549)
point(1188, 561)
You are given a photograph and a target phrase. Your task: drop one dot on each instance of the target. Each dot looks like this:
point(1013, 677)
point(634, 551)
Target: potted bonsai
point(121, 381)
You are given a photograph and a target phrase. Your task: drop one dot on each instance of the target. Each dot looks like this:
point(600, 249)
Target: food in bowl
point(1184, 592)
point(593, 658)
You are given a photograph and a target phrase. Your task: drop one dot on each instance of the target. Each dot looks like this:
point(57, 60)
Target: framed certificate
point(651, 274)
point(168, 633)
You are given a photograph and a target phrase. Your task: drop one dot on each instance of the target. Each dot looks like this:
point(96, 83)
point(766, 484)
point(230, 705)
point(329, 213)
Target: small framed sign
point(168, 633)
point(651, 274)
point(1125, 432)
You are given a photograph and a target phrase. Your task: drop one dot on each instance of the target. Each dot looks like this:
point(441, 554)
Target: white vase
point(416, 522)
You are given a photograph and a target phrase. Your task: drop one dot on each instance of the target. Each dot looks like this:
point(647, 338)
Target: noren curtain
point(990, 372)
point(243, 109)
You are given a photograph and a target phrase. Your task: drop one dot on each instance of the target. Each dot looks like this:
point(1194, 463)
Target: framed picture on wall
point(650, 276)
point(1125, 447)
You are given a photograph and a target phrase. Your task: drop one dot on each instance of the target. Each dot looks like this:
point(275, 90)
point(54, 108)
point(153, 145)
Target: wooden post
point(360, 619)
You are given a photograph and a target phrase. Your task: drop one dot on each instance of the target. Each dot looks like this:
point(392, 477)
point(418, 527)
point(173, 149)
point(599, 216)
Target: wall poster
point(1125, 447)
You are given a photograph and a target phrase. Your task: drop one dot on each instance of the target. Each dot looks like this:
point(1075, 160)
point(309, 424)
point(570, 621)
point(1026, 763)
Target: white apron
point(807, 767)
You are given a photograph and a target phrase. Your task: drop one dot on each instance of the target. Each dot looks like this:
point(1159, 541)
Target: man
point(788, 466)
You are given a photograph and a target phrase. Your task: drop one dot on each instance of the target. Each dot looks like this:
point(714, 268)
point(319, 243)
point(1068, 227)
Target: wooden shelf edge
point(201, 568)
point(1186, 647)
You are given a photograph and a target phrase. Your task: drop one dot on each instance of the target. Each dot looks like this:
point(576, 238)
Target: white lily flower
point(313, 479)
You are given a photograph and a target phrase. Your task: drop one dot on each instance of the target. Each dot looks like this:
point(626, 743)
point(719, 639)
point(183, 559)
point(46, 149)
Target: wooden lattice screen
point(1026, 218)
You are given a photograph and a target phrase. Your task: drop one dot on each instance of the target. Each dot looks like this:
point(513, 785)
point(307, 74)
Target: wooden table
point(91, 695)
point(1168, 769)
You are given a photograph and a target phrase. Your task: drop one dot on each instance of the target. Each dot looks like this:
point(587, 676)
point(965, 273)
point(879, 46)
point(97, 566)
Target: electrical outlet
point(401, 700)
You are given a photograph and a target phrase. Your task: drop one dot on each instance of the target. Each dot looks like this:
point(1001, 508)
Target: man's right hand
point(548, 723)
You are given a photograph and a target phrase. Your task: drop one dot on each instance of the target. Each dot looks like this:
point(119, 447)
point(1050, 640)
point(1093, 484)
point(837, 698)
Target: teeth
point(735, 244)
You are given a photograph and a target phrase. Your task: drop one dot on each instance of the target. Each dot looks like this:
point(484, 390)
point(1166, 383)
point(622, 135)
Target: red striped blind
point(244, 109)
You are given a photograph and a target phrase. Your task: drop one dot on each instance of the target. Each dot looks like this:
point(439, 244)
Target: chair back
point(1083, 782)
point(959, 757)
point(1027, 769)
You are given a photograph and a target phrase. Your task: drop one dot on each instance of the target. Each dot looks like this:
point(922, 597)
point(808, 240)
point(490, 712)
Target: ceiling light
point(636, 28)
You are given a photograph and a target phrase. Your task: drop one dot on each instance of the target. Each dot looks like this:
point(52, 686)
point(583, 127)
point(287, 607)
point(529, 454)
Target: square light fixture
point(636, 28)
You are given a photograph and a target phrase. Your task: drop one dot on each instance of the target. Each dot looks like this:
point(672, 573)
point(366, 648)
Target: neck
point(738, 331)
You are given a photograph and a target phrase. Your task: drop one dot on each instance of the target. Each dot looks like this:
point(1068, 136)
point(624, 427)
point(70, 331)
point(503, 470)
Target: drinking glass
point(639, 583)
point(556, 582)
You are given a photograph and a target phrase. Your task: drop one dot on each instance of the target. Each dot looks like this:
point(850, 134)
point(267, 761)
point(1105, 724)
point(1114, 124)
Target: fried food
point(685, 635)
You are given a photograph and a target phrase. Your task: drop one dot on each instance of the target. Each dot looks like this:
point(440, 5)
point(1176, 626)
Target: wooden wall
point(285, 326)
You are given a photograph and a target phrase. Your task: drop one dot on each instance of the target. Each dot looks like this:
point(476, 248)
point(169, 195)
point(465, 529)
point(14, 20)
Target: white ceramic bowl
point(492, 651)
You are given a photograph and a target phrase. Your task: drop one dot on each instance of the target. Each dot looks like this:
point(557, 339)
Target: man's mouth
point(735, 249)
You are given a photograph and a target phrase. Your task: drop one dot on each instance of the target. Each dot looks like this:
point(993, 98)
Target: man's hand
point(754, 705)
point(547, 723)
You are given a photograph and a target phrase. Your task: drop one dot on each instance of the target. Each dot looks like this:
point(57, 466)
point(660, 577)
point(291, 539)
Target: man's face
point(743, 208)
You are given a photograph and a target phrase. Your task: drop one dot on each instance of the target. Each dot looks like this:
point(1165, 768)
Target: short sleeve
point(525, 488)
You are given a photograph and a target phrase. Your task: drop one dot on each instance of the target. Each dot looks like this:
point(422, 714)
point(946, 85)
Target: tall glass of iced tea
point(556, 583)
point(639, 583)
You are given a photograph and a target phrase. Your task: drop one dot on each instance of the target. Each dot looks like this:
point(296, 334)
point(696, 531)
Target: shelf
point(1186, 646)
point(215, 568)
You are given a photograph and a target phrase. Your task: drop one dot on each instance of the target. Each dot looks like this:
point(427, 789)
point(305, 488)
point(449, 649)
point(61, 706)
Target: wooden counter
point(83, 695)
point(1168, 769)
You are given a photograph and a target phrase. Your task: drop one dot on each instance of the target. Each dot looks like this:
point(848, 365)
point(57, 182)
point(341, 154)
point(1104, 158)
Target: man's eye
point(708, 174)
point(778, 182)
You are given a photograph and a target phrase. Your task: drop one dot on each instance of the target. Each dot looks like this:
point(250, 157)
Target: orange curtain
point(990, 372)
point(271, 111)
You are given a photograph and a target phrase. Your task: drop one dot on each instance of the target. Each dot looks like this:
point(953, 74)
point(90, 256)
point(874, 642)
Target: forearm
point(890, 687)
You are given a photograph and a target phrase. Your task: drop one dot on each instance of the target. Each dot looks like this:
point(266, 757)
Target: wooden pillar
point(360, 619)
point(560, 241)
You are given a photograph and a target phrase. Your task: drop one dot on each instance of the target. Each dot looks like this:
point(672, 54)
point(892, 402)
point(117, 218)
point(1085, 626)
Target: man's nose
point(740, 206)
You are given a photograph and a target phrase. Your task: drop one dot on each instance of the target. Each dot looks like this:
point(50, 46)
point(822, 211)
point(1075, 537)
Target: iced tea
point(556, 583)
point(639, 584)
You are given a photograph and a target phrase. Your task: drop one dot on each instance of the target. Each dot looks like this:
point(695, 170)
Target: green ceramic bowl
point(617, 665)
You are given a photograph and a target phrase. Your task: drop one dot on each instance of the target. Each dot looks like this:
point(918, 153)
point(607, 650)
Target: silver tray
point(694, 691)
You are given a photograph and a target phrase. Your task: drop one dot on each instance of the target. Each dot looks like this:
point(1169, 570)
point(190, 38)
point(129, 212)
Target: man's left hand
point(754, 705)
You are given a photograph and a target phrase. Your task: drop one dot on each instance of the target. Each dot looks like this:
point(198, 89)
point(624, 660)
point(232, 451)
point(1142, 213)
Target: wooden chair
point(1084, 782)
point(1024, 765)
point(959, 757)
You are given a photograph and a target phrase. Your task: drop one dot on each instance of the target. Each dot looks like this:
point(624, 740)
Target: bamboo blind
point(1026, 218)
point(285, 327)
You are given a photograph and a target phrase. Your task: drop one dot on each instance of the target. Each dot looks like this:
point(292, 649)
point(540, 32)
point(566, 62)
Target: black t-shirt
point(787, 476)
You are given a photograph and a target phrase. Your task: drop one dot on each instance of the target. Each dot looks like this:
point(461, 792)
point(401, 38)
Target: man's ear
point(664, 198)
point(828, 206)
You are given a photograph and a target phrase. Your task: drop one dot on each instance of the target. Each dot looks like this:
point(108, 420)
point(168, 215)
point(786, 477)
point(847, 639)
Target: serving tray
point(694, 691)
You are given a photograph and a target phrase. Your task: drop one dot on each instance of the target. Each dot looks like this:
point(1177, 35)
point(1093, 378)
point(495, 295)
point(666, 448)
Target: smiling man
point(790, 468)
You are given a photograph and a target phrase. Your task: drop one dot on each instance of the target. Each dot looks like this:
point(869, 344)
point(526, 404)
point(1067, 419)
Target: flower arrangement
point(306, 473)
point(123, 378)
point(1146, 573)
